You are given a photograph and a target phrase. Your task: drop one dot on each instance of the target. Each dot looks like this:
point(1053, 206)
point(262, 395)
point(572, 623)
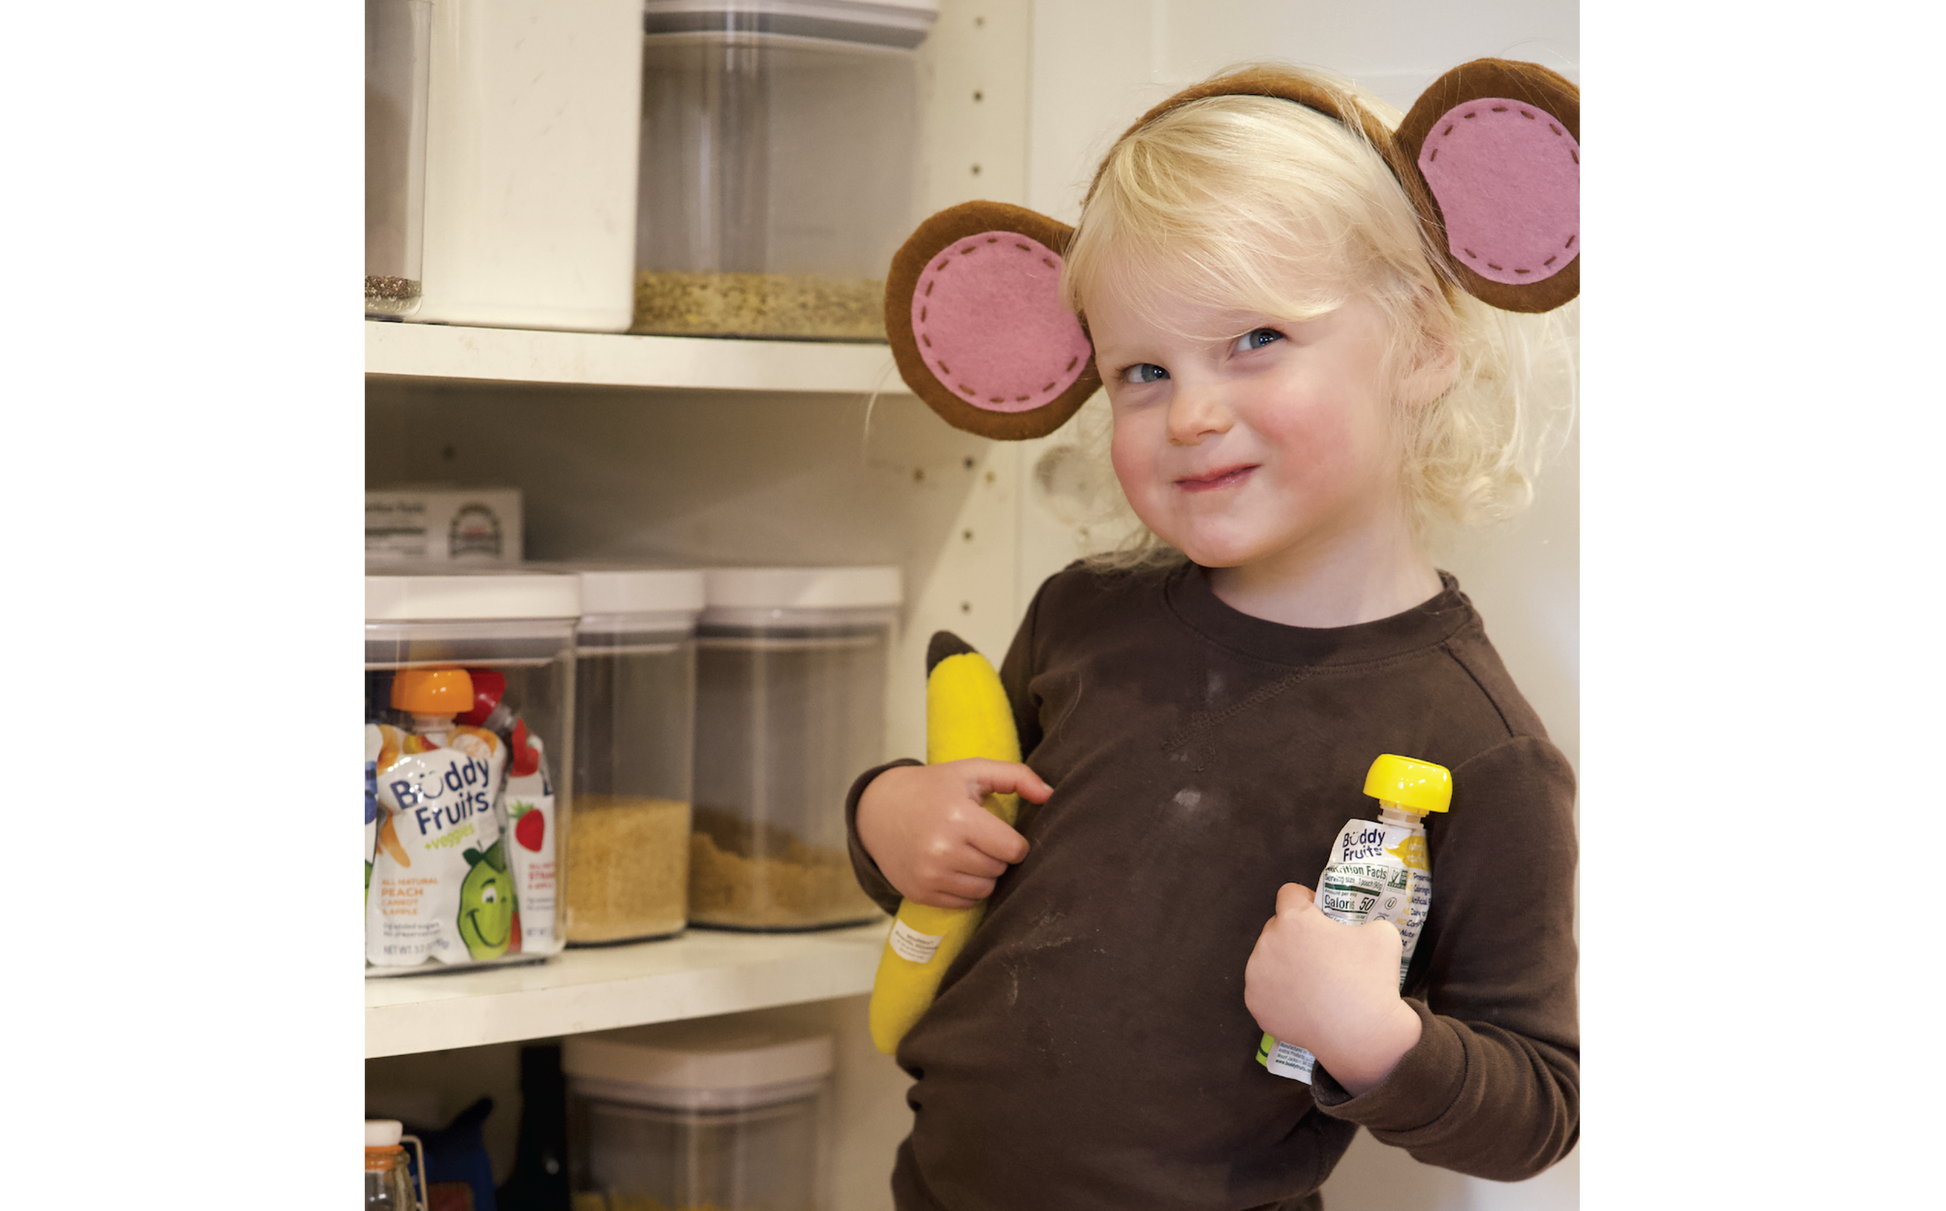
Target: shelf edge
point(821, 967)
point(513, 355)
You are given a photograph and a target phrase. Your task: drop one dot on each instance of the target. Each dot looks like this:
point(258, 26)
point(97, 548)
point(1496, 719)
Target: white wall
point(1097, 66)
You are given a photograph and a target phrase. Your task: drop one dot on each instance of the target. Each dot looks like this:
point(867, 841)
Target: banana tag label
point(911, 945)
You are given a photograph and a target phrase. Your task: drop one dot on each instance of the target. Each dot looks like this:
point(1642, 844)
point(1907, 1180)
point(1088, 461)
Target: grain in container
point(635, 697)
point(714, 1113)
point(791, 667)
point(531, 162)
point(398, 52)
point(779, 164)
point(469, 740)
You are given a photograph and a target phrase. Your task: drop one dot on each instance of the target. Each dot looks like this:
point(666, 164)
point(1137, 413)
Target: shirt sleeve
point(1492, 1088)
point(873, 880)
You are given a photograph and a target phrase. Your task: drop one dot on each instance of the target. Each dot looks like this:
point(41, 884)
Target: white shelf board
point(697, 974)
point(607, 359)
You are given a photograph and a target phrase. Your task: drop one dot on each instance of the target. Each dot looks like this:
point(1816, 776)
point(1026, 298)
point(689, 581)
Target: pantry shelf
point(698, 974)
point(439, 351)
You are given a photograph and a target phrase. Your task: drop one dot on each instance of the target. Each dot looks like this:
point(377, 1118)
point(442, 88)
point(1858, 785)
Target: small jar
point(791, 667)
point(398, 51)
point(711, 1113)
point(635, 697)
point(779, 164)
point(508, 636)
point(388, 1173)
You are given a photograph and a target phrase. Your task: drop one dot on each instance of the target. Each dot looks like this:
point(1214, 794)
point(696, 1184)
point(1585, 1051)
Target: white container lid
point(620, 590)
point(383, 1132)
point(802, 588)
point(454, 593)
point(896, 23)
point(700, 1061)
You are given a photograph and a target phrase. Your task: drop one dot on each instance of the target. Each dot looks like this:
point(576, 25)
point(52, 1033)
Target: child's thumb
point(1293, 896)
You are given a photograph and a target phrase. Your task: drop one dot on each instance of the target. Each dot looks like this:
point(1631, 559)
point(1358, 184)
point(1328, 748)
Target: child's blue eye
point(1257, 338)
point(1144, 372)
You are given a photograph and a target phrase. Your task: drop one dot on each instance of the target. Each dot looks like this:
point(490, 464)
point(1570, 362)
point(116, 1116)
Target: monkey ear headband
point(1489, 157)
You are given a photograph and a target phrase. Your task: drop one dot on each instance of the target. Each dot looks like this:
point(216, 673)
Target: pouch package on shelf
point(440, 885)
point(528, 800)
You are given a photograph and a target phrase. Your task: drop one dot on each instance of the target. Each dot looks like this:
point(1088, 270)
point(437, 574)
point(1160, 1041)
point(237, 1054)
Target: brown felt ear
point(1497, 145)
point(973, 310)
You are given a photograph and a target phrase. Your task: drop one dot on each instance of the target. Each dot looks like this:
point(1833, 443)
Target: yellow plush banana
point(967, 715)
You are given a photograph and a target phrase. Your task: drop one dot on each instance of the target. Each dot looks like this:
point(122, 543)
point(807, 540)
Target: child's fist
point(1331, 988)
point(926, 827)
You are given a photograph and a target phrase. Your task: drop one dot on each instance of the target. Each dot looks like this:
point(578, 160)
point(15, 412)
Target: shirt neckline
point(1188, 596)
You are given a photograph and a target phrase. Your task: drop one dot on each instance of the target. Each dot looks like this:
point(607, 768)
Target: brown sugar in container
point(791, 667)
point(779, 164)
point(635, 686)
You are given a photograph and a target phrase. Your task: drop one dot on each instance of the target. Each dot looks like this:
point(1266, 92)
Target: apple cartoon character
point(486, 903)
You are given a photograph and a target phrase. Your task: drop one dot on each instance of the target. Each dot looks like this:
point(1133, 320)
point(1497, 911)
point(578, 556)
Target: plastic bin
point(791, 668)
point(635, 698)
point(531, 163)
point(491, 652)
point(398, 51)
point(779, 164)
point(724, 1113)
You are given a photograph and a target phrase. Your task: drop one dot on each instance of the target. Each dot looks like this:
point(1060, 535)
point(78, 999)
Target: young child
point(1299, 392)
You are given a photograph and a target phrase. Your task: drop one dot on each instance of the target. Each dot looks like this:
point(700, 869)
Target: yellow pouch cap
point(1417, 786)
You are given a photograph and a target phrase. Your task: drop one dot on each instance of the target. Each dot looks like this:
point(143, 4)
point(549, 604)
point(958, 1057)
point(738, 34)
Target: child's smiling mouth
point(1216, 480)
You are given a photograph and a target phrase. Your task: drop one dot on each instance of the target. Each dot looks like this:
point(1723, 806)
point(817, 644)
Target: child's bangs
point(1241, 203)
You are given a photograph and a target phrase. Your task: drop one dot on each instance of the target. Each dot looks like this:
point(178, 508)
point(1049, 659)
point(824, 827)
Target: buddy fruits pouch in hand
point(1379, 871)
point(440, 886)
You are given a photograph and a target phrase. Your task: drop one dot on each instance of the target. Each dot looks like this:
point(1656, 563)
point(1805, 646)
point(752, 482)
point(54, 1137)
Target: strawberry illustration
point(529, 827)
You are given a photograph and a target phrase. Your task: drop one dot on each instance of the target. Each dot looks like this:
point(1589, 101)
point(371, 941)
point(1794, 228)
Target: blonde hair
point(1261, 204)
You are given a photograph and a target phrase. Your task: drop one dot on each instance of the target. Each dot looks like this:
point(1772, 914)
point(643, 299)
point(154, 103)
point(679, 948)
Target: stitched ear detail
point(973, 311)
point(1498, 146)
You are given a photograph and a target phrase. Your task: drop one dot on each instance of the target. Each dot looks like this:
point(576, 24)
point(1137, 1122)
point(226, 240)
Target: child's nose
point(1196, 413)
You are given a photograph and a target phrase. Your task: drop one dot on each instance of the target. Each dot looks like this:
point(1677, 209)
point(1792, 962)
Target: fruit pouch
point(440, 885)
point(531, 817)
point(530, 812)
point(374, 742)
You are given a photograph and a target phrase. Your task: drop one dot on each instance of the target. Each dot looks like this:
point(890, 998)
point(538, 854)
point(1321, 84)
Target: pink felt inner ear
point(988, 318)
point(1508, 179)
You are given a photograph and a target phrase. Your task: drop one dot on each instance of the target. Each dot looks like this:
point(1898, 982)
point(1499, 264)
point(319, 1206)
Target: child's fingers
point(996, 839)
point(1007, 778)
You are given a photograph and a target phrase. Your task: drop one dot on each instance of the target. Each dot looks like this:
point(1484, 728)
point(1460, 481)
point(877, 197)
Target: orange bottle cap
point(433, 691)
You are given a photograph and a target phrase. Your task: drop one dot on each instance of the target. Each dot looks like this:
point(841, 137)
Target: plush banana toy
point(967, 715)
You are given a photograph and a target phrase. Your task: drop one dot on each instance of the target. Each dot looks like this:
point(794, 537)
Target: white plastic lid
point(640, 590)
point(383, 1132)
point(453, 593)
point(802, 588)
point(699, 1056)
point(876, 11)
point(895, 23)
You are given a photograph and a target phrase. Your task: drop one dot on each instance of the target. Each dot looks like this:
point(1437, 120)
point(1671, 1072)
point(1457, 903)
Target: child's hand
point(1332, 988)
point(926, 829)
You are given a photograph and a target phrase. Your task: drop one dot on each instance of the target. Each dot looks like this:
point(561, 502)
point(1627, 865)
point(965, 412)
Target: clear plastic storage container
point(398, 50)
point(693, 1115)
point(779, 162)
point(791, 668)
point(469, 694)
point(635, 699)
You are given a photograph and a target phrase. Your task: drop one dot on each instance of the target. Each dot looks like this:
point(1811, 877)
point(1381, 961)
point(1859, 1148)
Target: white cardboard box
point(404, 525)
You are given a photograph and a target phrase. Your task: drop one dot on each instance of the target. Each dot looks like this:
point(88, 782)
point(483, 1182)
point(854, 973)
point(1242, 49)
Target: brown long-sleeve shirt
point(1090, 1048)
